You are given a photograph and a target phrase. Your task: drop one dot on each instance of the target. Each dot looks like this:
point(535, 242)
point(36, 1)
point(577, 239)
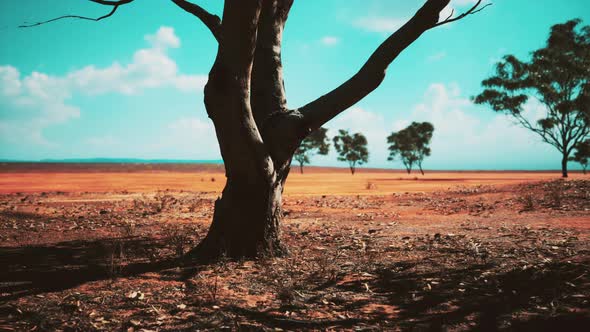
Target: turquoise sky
point(130, 86)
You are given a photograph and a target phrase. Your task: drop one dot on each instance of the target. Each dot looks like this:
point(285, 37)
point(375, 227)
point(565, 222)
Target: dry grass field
point(98, 248)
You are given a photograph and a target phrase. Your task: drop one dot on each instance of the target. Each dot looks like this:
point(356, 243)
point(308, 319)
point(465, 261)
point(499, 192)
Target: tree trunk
point(352, 170)
point(564, 166)
point(421, 170)
point(301, 168)
point(246, 221)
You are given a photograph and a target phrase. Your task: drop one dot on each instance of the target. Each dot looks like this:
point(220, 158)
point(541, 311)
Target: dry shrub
point(555, 196)
point(115, 258)
point(128, 228)
point(528, 202)
point(178, 237)
point(370, 185)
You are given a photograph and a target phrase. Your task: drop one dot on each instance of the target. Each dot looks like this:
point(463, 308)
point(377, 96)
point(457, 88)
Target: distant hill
point(119, 161)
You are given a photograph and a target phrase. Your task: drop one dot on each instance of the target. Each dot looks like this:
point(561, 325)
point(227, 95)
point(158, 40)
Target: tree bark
point(246, 221)
point(564, 166)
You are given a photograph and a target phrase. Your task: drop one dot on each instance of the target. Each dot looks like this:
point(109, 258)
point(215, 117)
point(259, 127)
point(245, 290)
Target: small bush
point(528, 203)
point(370, 185)
point(179, 239)
point(115, 258)
point(128, 228)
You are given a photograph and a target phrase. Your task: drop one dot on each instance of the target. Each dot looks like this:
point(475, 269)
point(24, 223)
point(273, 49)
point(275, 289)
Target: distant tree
point(558, 76)
point(351, 148)
point(316, 143)
point(582, 154)
point(411, 144)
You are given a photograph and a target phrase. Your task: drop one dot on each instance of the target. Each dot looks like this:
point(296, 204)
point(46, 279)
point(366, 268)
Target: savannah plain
point(100, 247)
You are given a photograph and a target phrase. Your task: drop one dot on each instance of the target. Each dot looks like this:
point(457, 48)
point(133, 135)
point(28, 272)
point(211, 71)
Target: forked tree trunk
point(257, 133)
point(409, 169)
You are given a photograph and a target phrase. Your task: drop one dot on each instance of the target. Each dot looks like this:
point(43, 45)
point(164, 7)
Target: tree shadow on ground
point(33, 270)
point(541, 298)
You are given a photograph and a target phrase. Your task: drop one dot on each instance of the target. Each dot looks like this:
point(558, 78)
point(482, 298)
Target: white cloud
point(359, 120)
point(463, 136)
point(330, 40)
point(164, 38)
point(461, 3)
point(436, 56)
point(34, 102)
point(380, 24)
point(389, 24)
point(188, 138)
point(102, 141)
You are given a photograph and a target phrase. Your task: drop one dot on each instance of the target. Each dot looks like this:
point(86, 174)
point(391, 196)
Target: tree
point(411, 144)
point(582, 154)
point(558, 76)
point(351, 148)
point(256, 130)
point(316, 142)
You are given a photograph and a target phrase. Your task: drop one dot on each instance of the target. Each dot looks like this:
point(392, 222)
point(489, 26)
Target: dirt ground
point(93, 248)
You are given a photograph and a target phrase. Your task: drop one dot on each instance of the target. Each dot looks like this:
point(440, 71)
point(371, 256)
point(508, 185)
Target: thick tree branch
point(115, 5)
point(268, 91)
point(227, 94)
point(213, 22)
point(372, 73)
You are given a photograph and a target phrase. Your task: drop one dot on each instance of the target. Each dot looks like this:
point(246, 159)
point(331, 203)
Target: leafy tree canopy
point(558, 76)
point(351, 148)
point(315, 143)
point(411, 144)
point(582, 154)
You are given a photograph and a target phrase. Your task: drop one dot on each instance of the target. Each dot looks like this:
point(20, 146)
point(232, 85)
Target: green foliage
point(315, 143)
point(582, 154)
point(411, 144)
point(351, 148)
point(558, 75)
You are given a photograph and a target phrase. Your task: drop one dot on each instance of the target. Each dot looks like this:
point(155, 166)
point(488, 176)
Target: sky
point(130, 86)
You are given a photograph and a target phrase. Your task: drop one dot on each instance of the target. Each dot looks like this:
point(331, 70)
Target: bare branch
point(547, 136)
point(471, 11)
point(213, 22)
point(370, 76)
point(115, 5)
point(372, 73)
point(111, 2)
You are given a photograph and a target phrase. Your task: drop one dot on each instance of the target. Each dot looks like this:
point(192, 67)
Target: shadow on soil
point(33, 270)
point(545, 297)
point(533, 299)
